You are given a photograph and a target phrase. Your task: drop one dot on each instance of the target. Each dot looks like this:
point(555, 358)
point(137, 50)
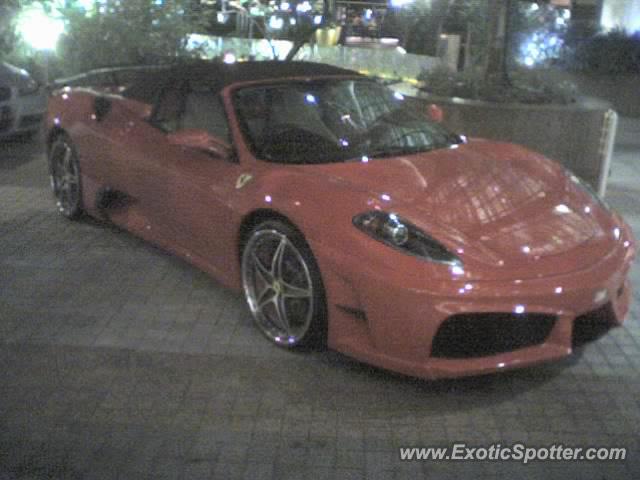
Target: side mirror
point(200, 140)
point(101, 107)
point(435, 113)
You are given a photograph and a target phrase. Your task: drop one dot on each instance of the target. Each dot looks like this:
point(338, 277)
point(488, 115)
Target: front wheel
point(283, 287)
point(65, 177)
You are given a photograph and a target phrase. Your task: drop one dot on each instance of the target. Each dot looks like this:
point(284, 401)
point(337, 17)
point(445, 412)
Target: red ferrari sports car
point(345, 213)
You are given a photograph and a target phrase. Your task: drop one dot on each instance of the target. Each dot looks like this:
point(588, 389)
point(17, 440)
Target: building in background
point(593, 15)
point(623, 14)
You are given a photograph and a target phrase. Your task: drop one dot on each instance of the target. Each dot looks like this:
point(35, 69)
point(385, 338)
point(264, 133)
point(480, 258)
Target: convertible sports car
point(346, 214)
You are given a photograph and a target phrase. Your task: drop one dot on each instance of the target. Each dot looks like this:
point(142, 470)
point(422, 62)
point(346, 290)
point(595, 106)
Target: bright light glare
point(304, 7)
point(276, 23)
point(39, 30)
point(86, 4)
point(457, 270)
point(229, 58)
point(400, 3)
point(317, 20)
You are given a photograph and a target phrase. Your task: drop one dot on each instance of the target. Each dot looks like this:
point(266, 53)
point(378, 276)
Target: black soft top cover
point(218, 75)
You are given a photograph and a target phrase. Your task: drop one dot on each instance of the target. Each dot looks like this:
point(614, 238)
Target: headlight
point(28, 88)
point(396, 232)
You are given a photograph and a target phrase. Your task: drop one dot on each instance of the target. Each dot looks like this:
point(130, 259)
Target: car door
point(203, 186)
point(141, 153)
point(184, 195)
point(97, 139)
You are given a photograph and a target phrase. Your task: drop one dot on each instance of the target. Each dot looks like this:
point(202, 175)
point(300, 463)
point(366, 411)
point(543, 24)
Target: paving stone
point(118, 360)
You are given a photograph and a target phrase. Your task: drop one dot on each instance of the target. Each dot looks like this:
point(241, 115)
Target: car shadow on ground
point(464, 392)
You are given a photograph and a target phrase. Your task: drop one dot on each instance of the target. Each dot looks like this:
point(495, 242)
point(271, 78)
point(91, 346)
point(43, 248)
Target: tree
point(132, 32)
point(496, 67)
point(305, 30)
point(423, 36)
point(103, 32)
point(509, 19)
point(8, 36)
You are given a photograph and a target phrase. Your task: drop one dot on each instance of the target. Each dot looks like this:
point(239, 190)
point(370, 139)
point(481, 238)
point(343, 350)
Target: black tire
point(66, 181)
point(283, 287)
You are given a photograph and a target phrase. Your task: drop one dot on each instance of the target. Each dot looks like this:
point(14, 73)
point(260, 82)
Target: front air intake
point(592, 325)
point(473, 335)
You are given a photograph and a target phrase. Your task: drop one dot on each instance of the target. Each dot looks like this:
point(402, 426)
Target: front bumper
point(393, 325)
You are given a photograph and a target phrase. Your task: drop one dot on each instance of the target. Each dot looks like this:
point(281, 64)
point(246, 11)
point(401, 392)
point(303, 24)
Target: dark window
point(203, 110)
point(199, 109)
point(169, 110)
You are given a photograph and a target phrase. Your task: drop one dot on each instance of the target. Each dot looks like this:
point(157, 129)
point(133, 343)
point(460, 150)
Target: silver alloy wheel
point(278, 287)
point(65, 178)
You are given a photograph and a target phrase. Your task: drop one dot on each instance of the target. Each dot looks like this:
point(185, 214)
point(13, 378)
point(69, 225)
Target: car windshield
point(334, 120)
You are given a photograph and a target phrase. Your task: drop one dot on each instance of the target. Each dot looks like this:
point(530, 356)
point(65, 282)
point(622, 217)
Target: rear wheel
point(65, 177)
point(283, 287)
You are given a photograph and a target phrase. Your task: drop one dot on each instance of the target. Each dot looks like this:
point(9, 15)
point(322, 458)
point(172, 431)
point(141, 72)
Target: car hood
point(495, 204)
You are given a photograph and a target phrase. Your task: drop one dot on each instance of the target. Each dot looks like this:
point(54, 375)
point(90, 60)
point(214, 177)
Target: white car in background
point(23, 102)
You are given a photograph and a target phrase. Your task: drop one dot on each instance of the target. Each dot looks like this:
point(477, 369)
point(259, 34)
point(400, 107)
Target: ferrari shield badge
point(243, 180)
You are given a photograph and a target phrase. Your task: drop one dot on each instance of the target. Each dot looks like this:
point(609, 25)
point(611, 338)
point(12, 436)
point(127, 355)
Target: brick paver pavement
point(118, 360)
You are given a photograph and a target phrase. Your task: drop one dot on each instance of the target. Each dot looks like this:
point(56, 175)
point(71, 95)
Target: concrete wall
point(382, 62)
point(571, 135)
point(621, 91)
